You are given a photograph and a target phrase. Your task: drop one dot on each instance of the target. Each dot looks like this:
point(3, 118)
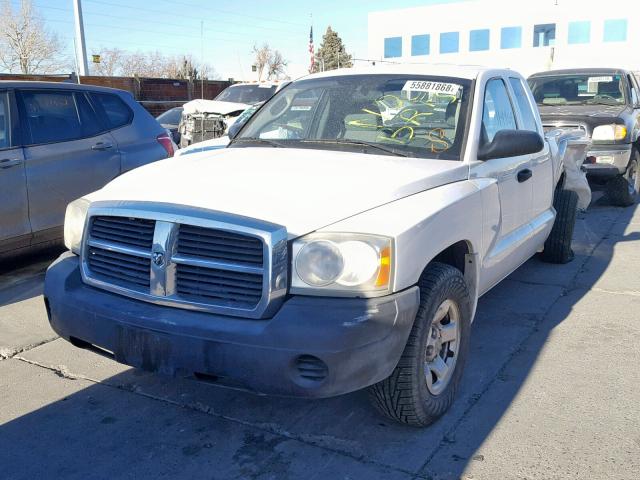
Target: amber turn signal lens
point(385, 267)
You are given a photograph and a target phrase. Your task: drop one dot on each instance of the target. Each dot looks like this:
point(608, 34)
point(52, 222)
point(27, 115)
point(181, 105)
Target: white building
point(526, 35)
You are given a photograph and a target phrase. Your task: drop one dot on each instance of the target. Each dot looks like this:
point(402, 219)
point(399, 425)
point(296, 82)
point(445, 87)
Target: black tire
point(404, 395)
point(557, 247)
point(622, 190)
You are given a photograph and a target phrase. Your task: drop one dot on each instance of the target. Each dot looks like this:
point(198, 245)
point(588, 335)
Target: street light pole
point(81, 48)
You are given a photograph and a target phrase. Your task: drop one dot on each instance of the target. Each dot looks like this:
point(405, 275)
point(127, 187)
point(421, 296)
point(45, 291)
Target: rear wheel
point(622, 190)
point(424, 383)
point(557, 247)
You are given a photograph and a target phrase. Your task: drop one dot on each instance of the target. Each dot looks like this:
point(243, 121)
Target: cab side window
point(521, 98)
point(497, 112)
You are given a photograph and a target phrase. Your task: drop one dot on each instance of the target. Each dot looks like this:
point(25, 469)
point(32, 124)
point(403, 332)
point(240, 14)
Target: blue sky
point(231, 28)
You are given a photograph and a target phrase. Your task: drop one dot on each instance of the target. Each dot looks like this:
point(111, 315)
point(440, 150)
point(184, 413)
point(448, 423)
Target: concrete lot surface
point(551, 391)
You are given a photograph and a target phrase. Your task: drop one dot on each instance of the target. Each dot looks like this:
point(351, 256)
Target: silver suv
point(59, 142)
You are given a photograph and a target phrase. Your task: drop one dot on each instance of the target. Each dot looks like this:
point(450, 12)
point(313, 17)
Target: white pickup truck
point(340, 242)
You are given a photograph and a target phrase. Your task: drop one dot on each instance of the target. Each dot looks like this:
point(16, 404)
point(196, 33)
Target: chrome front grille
point(125, 270)
point(134, 232)
point(547, 127)
point(219, 245)
point(187, 261)
point(233, 288)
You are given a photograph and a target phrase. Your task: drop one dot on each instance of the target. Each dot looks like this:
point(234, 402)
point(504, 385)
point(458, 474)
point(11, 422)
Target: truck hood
point(591, 115)
point(301, 189)
point(213, 106)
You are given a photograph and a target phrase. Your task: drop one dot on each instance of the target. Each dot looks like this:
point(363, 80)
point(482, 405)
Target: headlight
point(341, 264)
point(609, 133)
point(74, 219)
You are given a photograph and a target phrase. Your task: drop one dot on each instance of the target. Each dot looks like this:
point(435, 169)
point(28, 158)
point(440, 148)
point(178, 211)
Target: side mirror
point(234, 129)
point(511, 143)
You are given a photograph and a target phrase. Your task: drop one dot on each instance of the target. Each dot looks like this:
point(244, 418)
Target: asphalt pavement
point(551, 391)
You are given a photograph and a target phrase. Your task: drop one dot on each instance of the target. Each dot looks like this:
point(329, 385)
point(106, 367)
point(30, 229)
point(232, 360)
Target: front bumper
point(609, 161)
point(312, 347)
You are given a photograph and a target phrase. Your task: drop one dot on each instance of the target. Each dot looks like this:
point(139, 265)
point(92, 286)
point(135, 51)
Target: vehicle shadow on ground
point(21, 277)
point(139, 425)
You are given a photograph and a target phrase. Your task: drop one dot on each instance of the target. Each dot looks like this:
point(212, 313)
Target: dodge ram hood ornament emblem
point(158, 258)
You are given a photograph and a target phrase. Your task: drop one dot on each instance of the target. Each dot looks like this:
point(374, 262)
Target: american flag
point(312, 52)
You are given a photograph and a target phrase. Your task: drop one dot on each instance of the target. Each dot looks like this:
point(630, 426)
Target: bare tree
point(114, 61)
point(277, 64)
point(26, 45)
point(261, 58)
point(111, 60)
point(271, 60)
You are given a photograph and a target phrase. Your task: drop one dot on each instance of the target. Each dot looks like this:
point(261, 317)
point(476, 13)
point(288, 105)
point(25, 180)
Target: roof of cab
point(445, 70)
point(56, 85)
point(578, 71)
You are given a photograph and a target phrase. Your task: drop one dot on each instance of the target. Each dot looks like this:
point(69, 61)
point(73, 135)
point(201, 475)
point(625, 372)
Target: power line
point(156, 22)
point(199, 18)
point(227, 12)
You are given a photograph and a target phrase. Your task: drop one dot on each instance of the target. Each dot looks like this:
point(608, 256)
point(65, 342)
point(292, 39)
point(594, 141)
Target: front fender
point(423, 225)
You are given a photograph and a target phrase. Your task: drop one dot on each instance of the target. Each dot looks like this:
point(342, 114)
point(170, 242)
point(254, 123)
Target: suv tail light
point(164, 139)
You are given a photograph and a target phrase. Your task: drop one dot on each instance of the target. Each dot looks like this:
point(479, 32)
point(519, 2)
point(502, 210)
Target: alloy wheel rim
point(442, 348)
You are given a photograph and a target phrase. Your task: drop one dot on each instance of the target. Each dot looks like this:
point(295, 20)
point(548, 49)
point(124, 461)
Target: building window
point(615, 30)
point(393, 47)
point(511, 37)
point(478, 40)
point(544, 35)
point(449, 42)
point(420, 45)
point(579, 32)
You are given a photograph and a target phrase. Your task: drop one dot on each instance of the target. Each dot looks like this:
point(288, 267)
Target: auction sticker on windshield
point(431, 87)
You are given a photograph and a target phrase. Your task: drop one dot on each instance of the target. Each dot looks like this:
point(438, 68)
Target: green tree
point(332, 53)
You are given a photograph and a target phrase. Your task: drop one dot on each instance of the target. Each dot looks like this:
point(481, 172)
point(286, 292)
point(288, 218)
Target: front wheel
point(623, 189)
point(424, 383)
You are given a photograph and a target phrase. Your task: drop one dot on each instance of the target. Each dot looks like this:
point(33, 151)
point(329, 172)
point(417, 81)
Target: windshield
point(170, 117)
point(582, 89)
point(414, 116)
point(246, 93)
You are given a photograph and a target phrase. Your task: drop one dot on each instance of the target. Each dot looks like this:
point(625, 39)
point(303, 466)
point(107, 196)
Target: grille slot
point(219, 245)
point(124, 270)
point(219, 286)
point(311, 368)
point(134, 232)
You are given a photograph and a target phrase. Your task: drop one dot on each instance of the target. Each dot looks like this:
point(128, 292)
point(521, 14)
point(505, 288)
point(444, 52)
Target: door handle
point(9, 162)
point(524, 175)
point(102, 146)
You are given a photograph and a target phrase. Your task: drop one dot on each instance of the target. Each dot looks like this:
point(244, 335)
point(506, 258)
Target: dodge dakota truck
point(341, 240)
point(603, 103)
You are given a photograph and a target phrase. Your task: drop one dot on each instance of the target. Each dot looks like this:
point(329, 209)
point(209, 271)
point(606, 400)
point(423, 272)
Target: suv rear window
point(4, 121)
point(58, 116)
point(116, 112)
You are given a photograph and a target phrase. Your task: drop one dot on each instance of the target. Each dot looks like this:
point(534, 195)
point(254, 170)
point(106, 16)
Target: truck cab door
point(15, 229)
point(513, 175)
point(541, 164)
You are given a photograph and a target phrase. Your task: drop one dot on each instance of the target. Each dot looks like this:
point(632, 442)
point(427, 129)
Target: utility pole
point(81, 48)
point(201, 59)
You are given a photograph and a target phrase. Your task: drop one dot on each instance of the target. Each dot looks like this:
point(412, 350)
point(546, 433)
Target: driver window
point(497, 112)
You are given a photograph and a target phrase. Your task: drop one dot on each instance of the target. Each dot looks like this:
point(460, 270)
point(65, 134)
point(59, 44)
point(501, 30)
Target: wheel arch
point(462, 256)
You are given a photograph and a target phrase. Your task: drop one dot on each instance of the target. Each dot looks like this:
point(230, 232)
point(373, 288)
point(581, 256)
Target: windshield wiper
point(361, 143)
point(267, 141)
